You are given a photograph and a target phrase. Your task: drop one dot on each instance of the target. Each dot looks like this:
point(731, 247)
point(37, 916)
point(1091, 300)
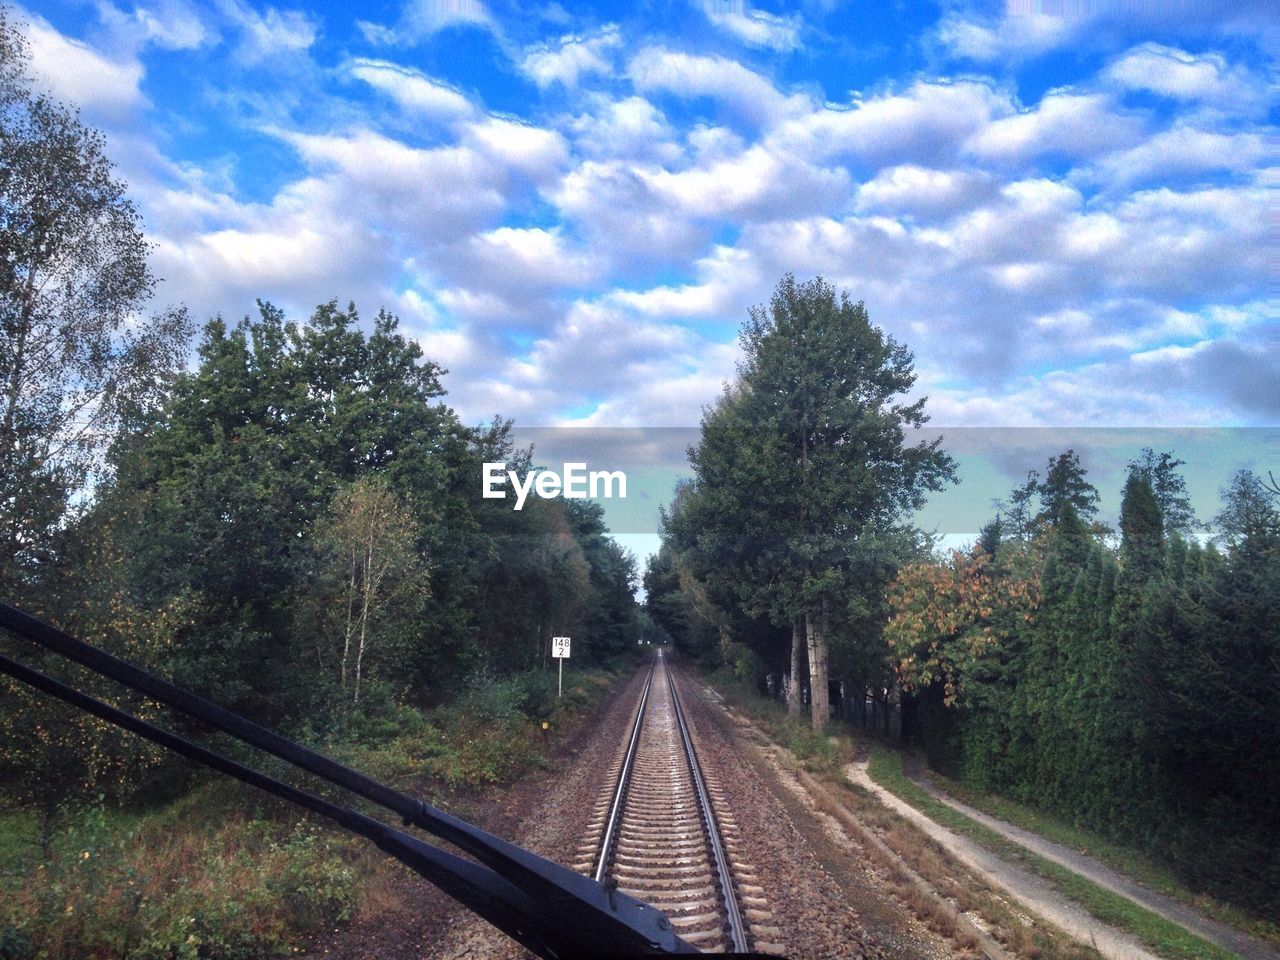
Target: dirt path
point(1034, 893)
point(1172, 910)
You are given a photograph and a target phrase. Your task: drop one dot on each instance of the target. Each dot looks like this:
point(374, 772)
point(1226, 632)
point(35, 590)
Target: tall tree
point(75, 358)
point(1170, 489)
point(1064, 486)
point(1141, 529)
point(819, 467)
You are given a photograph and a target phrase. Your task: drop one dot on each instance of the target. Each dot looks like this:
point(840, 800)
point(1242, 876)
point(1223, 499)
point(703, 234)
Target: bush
point(217, 887)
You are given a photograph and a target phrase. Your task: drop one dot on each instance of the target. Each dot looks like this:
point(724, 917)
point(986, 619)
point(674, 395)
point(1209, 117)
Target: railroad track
point(664, 832)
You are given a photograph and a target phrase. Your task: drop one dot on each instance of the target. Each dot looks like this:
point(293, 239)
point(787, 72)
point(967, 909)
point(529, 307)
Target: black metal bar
point(622, 922)
point(737, 929)
point(624, 777)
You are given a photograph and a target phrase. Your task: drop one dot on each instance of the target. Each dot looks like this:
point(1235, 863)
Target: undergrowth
point(226, 873)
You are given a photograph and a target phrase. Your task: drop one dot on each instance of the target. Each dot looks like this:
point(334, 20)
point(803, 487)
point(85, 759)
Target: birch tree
point(76, 357)
point(369, 542)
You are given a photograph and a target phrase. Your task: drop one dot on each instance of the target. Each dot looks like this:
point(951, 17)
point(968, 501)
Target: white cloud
point(923, 192)
point(271, 33)
point(755, 28)
point(727, 279)
point(630, 128)
point(572, 58)
point(171, 24)
point(411, 89)
point(534, 151)
point(923, 124)
point(746, 93)
point(517, 261)
point(432, 15)
point(1008, 38)
point(1063, 122)
point(618, 208)
point(1183, 150)
point(420, 19)
point(428, 196)
point(1180, 75)
point(76, 73)
point(598, 249)
point(756, 184)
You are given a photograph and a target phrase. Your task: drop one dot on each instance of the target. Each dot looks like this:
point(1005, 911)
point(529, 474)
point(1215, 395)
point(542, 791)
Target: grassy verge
point(1119, 857)
point(819, 753)
point(227, 872)
point(1163, 937)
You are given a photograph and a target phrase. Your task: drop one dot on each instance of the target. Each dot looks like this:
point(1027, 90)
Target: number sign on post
point(560, 650)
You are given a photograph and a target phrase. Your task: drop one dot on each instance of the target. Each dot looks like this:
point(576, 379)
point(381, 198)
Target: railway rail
point(665, 835)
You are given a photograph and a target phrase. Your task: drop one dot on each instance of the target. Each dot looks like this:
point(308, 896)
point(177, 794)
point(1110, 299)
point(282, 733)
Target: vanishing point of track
point(664, 833)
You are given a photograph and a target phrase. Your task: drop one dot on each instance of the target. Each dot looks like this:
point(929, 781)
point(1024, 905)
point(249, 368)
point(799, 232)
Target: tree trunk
point(364, 615)
point(819, 698)
point(797, 648)
point(350, 626)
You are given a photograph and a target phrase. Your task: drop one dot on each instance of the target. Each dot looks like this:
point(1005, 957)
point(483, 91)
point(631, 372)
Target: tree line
point(1131, 686)
point(291, 525)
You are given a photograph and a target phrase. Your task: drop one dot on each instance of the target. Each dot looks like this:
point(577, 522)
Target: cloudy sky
point(1062, 206)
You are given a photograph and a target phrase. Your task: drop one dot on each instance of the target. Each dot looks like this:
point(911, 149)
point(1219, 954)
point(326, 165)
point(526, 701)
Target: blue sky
point(1062, 208)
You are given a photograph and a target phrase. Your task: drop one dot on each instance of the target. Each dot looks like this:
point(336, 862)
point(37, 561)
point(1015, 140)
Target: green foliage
point(748, 668)
point(1170, 490)
point(814, 747)
point(208, 876)
point(1139, 695)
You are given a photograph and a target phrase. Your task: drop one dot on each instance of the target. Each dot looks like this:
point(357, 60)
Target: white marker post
point(560, 650)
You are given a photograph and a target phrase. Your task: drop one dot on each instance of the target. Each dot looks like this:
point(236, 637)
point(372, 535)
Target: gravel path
point(1172, 910)
point(1027, 888)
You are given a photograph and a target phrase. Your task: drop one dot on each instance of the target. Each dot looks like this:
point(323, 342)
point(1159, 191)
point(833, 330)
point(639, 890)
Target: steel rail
point(737, 928)
point(624, 780)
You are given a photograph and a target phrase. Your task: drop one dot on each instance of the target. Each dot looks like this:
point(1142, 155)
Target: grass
point(1163, 937)
point(819, 752)
point(19, 837)
point(197, 878)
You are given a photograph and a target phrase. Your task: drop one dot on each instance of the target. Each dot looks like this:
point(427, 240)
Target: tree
point(1064, 486)
point(75, 358)
point(1249, 520)
point(950, 616)
point(369, 545)
point(813, 472)
point(1141, 529)
point(1170, 490)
